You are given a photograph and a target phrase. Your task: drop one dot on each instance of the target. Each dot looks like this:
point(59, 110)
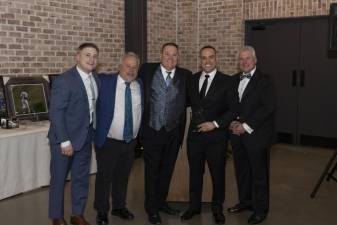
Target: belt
point(120, 141)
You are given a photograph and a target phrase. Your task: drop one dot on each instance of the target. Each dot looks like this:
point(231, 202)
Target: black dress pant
point(201, 149)
point(252, 174)
point(114, 162)
point(160, 154)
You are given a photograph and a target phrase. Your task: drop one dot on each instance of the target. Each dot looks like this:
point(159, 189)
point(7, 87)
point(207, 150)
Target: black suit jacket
point(257, 109)
point(217, 105)
point(146, 74)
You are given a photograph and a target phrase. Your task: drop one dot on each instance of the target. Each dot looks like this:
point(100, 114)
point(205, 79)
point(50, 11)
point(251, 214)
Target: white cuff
point(247, 128)
point(65, 144)
point(216, 124)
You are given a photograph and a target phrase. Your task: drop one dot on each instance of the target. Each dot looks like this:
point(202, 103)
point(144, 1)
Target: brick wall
point(39, 37)
point(219, 23)
point(162, 26)
point(257, 9)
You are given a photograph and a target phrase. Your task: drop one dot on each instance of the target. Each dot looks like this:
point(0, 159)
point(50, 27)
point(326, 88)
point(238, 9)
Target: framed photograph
point(51, 78)
point(28, 98)
point(3, 102)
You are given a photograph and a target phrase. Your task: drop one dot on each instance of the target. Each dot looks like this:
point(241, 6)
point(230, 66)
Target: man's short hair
point(207, 46)
point(249, 49)
point(169, 44)
point(88, 45)
point(130, 54)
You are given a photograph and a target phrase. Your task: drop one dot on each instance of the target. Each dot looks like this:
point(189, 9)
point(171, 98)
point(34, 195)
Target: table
point(25, 158)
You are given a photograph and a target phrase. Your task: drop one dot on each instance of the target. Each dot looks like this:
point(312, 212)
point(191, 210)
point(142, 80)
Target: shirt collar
point(164, 71)
point(83, 74)
point(120, 80)
point(251, 72)
point(211, 74)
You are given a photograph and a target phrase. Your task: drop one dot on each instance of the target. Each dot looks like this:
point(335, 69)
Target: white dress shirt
point(242, 86)
point(92, 97)
point(209, 81)
point(165, 74)
point(117, 125)
point(244, 82)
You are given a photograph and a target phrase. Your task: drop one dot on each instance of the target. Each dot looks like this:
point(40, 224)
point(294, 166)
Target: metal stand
point(328, 173)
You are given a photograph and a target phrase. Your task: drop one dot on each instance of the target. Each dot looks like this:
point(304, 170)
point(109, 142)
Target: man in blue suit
point(72, 122)
point(119, 112)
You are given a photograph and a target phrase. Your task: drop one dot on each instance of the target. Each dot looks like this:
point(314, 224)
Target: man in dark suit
point(252, 134)
point(163, 127)
point(72, 122)
point(209, 94)
point(119, 111)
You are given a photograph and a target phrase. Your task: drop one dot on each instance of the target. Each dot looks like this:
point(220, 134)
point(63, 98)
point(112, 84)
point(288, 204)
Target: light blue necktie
point(128, 121)
point(168, 78)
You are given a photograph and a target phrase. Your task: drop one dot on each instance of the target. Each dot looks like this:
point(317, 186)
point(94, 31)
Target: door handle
point(294, 80)
point(302, 78)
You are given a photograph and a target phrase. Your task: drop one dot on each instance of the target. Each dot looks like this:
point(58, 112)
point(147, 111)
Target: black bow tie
point(243, 76)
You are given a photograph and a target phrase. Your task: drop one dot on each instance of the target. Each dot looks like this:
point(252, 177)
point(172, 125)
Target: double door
point(295, 53)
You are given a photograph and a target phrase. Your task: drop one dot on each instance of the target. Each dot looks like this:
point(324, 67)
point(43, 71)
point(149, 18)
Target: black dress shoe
point(239, 208)
point(219, 217)
point(188, 214)
point(102, 218)
point(169, 210)
point(59, 222)
point(123, 213)
point(154, 218)
point(256, 218)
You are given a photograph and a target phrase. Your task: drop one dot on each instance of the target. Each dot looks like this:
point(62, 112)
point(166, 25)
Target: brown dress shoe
point(59, 222)
point(78, 220)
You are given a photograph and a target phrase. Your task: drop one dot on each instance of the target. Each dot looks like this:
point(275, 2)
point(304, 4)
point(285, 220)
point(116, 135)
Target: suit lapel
point(213, 86)
point(149, 78)
point(176, 77)
point(195, 87)
point(251, 84)
point(141, 93)
point(79, 80)
point(236, 78)
point(98, 83)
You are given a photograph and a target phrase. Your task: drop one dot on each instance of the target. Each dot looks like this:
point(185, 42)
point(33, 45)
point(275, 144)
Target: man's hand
point(68, 150)
point(237, 128)
point(233, 124)
point(206, 126)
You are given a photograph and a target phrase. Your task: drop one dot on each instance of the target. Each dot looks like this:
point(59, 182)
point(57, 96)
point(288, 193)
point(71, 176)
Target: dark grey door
point(317, 99)
point(294, 53)
point(277, 49)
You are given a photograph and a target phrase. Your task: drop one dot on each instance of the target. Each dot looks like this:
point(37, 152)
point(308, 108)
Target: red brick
point(13, 22)
point(14, 46)
point(8, 16)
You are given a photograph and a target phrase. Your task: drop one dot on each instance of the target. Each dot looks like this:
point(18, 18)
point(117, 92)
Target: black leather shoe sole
point(256, 219)
point(238, 209)
point(170, 211)
point(123, 214)
point(189, 214)
point(154, 219)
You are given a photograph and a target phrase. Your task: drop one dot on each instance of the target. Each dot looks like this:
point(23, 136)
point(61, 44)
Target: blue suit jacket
point(69, 109)
point(106, 105)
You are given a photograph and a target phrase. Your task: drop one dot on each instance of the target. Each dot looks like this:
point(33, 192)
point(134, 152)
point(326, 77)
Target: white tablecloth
point(25, 158)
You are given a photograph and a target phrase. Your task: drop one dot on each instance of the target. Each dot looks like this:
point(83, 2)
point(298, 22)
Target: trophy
point(197, 117)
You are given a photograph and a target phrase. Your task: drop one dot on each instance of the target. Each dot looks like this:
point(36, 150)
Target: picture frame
point(51, 78)
point(27, 98)
point(3, 100)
